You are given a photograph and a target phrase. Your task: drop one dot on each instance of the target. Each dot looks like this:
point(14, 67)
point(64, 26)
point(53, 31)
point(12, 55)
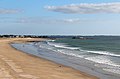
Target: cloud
point(86, 8)
point(9, 11)
point(76, 20)
point(47, 21)
point(39, 20)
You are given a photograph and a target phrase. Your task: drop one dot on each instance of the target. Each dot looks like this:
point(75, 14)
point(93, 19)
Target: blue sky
point(60, 17)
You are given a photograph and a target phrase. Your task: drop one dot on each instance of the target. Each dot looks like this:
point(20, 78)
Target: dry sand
point(15, 64)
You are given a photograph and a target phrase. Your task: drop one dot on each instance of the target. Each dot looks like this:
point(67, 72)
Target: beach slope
point(15, 64)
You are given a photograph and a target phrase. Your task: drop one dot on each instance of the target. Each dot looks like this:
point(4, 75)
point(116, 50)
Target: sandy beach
point(15, 64)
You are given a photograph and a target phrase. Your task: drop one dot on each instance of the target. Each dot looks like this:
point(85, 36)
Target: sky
point(60, 17)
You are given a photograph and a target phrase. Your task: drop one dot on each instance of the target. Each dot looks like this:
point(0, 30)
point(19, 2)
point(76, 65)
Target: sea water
point(99, 56)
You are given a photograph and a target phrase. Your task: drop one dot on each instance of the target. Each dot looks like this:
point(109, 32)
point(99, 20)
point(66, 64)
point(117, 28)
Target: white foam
point(102, 60)
point(70, 54)
point(117, 71)
point(108, 68)
point(51, 40)
point(104, 53)
point(58, 45)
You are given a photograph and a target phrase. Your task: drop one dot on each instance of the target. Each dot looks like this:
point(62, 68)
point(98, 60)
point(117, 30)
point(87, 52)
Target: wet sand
point(15, 64)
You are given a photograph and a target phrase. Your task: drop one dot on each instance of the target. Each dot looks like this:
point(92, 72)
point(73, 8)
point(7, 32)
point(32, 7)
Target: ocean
point(99, 56)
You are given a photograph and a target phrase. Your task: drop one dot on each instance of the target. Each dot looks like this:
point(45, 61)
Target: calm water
point(100, 55)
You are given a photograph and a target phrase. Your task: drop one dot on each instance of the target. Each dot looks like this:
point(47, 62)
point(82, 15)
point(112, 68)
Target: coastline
point(18, 65)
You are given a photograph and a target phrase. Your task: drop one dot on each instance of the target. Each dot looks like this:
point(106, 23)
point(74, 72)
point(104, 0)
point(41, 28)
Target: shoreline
point(26, 66)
